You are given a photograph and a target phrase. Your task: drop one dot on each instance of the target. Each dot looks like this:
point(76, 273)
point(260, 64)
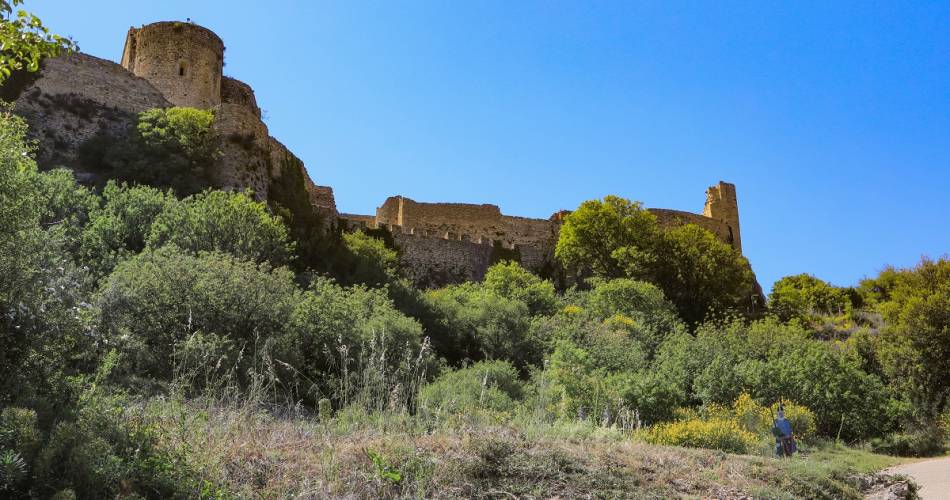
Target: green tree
point(702, 275)
point(120, 225)
point(41, 291)
point(804, 296)
point(914, 347)
point(508, 279)
point(614, 238)
point(168, 310)
point(224, 222)
point(25, 41)
point(617, 238)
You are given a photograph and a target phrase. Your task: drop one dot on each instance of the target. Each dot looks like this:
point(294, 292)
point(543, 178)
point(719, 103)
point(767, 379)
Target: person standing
point(784, 439)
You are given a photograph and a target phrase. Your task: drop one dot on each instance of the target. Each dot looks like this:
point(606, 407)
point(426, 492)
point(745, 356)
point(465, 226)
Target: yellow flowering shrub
point(718, 434)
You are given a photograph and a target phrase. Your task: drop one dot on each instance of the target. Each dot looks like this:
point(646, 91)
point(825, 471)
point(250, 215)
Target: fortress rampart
point(478, 232)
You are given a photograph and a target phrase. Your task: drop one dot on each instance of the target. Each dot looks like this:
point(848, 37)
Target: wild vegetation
point(161, 342)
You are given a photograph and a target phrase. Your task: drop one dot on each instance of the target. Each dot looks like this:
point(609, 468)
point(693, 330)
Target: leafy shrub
point(804, 296)
point(169, 147)
point(926, 442)
point(19, 432)
point(759, 419)
point(369, 261)
point(774, 361)
point(484, 325)
point(223, 222)
point(120, 225)
point(726, 435)
point(155, 301)
point(486, 385)
point(335, 331)
point(511, 281)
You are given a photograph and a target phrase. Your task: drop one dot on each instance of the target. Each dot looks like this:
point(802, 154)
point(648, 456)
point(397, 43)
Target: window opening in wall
point(181, 69)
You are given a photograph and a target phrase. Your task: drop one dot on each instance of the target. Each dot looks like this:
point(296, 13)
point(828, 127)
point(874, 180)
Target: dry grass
point(251, 453)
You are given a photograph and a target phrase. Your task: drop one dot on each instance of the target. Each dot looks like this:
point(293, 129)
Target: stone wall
point(244, 150)
point(462, 221)
point(76, 97)
point(182, 60)
point(432, 262)
point(237, 92)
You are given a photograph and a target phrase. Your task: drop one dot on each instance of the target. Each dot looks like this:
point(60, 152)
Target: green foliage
point(119, 226)
point(105, 449)
point(318, 245)
point(804, 297)
point(384, 470)
point(25, 41)
point(155, 302)
point(484, 386)
point(925, 442)
point(617, 238)
point(702, 275)
point(725, 435)
point(481, 324)
point(914, 348)
point(511, 281)
point(333, 330)
point(169, 147)
point(774, 361)
point(369, 261)
point(42, 291)
point(609, 237)
point(639, 307)
point(220, 221)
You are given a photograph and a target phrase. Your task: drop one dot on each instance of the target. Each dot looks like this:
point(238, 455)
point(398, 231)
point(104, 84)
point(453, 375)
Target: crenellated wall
point(451, 242)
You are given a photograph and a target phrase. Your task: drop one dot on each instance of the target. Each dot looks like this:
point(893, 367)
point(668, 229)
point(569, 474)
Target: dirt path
point(933, 476)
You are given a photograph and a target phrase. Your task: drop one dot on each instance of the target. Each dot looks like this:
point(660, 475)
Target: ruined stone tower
point(721, 204)
point(182, 60)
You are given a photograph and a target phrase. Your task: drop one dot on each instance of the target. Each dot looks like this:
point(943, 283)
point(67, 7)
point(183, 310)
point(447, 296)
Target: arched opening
point(182, 68)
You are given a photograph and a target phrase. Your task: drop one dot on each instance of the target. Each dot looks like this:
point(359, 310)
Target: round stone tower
point(182, 60)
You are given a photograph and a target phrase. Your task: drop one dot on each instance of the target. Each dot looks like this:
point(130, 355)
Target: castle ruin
point(77, 97)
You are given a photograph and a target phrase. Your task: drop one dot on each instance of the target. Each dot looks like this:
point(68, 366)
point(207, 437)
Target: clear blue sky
point(832, 118)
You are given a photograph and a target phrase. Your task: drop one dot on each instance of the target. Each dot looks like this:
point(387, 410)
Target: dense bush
point(333, 330)
point(511, 281)
point(156, 301)
point(725, 435)
point(484, 386)
point(367, 261)
point(223, 222)
point(925, 442)
point(914, 347)
point(120, 224)
point(756, 418)
point(803, 297)
point(481, 324)
point(774, 361)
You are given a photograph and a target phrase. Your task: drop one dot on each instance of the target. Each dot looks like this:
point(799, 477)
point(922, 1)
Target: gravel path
point(933, 476)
